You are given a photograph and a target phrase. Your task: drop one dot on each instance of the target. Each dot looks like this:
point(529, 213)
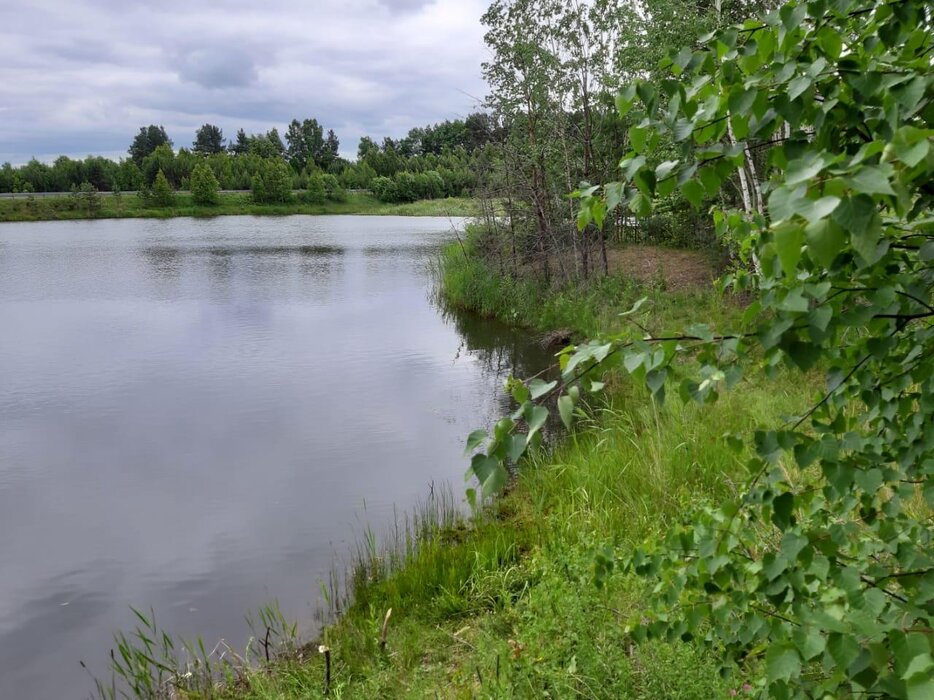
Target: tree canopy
point(148, 140)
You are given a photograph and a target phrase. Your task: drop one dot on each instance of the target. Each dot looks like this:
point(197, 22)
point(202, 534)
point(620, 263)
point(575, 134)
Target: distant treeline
point(430, 162)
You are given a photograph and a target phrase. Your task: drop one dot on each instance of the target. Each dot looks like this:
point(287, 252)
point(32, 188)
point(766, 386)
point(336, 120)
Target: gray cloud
point(81, 76)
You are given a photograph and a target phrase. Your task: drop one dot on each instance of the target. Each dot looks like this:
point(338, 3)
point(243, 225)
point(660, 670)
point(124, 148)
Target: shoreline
point(502, 603)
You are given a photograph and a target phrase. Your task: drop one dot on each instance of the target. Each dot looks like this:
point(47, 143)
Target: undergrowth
point(584, 309)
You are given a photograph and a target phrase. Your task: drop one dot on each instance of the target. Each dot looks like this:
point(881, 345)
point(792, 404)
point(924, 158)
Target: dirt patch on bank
point(675, 269)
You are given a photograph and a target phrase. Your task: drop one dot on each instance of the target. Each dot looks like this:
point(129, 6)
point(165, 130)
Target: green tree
point(306, 144)
point(205, 189)
point(330, 150)
point(315, 192)
point(818, 581)
point(209, 139)
point(242, 145)
point(148, 140)
point(161, 159)
point(162, 193)
point(272, 184)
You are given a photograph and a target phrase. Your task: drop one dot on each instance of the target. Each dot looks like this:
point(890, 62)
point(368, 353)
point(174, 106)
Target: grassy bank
point(503, 606)
point(25, 208)
point(506, 608)
point(591, 308)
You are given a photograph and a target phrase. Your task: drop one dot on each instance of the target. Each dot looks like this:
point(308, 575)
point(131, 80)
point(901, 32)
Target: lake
point(198, 415)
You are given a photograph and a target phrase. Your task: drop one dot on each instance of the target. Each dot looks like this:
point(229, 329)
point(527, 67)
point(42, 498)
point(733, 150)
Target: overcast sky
point(80, 77)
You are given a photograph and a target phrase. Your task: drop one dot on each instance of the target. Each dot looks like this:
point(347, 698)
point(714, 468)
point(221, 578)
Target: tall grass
point(504, 605)
point(582, 308)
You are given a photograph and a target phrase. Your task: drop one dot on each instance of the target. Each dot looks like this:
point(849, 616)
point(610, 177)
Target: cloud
point(83, 76)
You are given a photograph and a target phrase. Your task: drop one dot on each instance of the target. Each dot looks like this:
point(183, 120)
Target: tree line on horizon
point(429, 162)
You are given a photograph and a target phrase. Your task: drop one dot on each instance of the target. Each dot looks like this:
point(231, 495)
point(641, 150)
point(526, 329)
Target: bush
point(406, 187)
point(162, 194)
point(384, 189)
point(315, 193)
point(205, 189)
point(272, 183)
point(333, 189)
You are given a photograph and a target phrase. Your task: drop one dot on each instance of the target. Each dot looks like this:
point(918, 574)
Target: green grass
point(587, 309)
point(24, 208)
point(503, 606)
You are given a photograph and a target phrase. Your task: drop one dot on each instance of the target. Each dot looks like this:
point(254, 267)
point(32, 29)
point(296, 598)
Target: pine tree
point(204, 185)
point(162, 193)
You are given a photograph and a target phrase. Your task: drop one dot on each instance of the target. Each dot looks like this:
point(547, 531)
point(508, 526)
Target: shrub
point(205, 189)
point(162, 194)
point(315, 193)
point(384, 189)
point(333, 189)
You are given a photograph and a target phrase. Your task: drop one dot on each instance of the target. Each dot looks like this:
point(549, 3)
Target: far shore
point(58, 207)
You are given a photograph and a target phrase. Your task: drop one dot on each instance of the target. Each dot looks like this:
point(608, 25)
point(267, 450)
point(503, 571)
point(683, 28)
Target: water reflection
point(194, 413)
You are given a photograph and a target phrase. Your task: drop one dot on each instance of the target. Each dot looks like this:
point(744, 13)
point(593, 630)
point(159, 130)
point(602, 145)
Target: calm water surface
point(197, 415)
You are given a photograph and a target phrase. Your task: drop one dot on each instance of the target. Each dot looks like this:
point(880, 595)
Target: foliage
point(209, 140)
point(315, 193)
point(205, 189)
point(86, 199)
point(272, 184)
point(333, 189)
point(819, 579)
point(148, 140)
point(231, 204)
point(162, 194)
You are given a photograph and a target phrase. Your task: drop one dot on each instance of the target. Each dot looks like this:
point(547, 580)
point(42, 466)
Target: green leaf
point(682, 129)
point(516, 446)
point(782, 662)
point(539, 387)
point(919, 687)
point(474, 440)
point(518, 389)
point(797, 86)
point(804, 168)
point(831, 42)
point(491, 474)
point(640, 205)
point(842, 648)
point(804, 355)
point(794, 301)
point(872, 179)
point(911, 145)
point(693, 192)
point(858, 216)
point(788, 241)
point(920, 664)
point(635, 307)
point(782, 508)
point(566, 410)
point(614, 195)
point(784, 202)
point(637, 137)
point(710, 179)
point(825, 241)
point(809, 642)
point(816, 209)
point(665, 169)
point(536, 419)
point(625, 99)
